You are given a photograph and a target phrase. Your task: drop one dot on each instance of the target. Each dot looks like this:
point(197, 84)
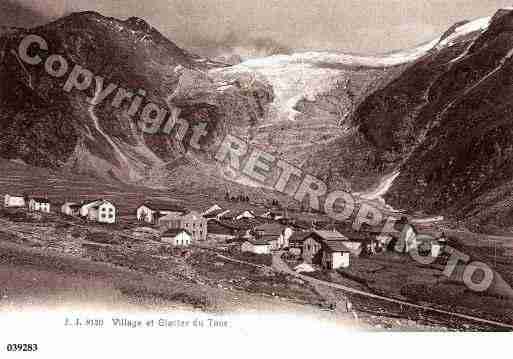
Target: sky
point(355, 26)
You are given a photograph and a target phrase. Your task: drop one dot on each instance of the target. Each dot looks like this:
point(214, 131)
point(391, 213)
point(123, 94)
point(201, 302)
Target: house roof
point(211, 209)
point(298, 223)
point(214, 213)
point(40, 199)
point(163, 206)
point(101, 202)
point(96, 203)
point(174, 232)
point(93, 201)
point(258, 242)
point(299, 237)
point(215, 227)
point(260, 212)
point(268, 237)
point(175, 216)
point(331, 235)
point(277, 213)
point(330, 240)
point(353, 235)
point(271, 228)
point(170, 217)
point(336, 246)
point(240, 224)
point(192, 214)
point(245, 211)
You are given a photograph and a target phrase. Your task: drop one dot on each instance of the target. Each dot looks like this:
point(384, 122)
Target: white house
point(335, 255)
point(191, 221)
point(214, 208)
point(177, 237)
point(436, 249)
point(407, 239)
point(274, 215)
point(217, 214)
point(151, 212)
point(100, 211)
point(428, 244)
point(326, 248)
point(275, 233)
point(256, 246)
point(216, 230)
point(245, 215)
point(14, 201)
point(39, 205)
point(70, 209)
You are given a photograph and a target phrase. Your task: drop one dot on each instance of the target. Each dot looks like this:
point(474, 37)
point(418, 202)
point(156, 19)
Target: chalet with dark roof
point(275, 233)
point(191, 221)
point(326, 249)
point(39, 204)
point(219, 231)
point(151, 211)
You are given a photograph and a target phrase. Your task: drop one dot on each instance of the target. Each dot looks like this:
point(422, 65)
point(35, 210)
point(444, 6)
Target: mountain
point(288, 105)
point(15, 14)
point(45, 126)
point(314, 94)
point(444, 124)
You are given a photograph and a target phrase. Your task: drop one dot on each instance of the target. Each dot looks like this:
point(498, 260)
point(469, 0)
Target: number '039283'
point(22, 347)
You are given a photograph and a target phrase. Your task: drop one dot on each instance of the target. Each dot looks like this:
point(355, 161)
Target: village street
point(281, 266)
point(128, 245)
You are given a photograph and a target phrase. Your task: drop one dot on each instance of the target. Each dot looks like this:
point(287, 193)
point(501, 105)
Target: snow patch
point(480, 25)
point(304, 75)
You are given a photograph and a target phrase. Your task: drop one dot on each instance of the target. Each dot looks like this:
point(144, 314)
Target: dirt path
point(280, 265)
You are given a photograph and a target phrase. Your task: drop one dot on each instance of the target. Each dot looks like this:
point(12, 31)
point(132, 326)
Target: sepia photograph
point(228, 177)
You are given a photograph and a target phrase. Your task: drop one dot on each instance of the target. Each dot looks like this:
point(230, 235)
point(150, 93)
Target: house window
point(104, 209)
point(103, 215)
point(111, 216)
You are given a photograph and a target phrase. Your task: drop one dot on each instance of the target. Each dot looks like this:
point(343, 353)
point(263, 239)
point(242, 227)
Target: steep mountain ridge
point(286, 105)
point(445, 125)
point(43, 125)
point(314, 94)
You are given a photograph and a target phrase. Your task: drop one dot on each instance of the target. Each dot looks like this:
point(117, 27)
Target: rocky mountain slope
point(444, 124)
point(314, 94)
point(286, 104)
point(45, 126)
